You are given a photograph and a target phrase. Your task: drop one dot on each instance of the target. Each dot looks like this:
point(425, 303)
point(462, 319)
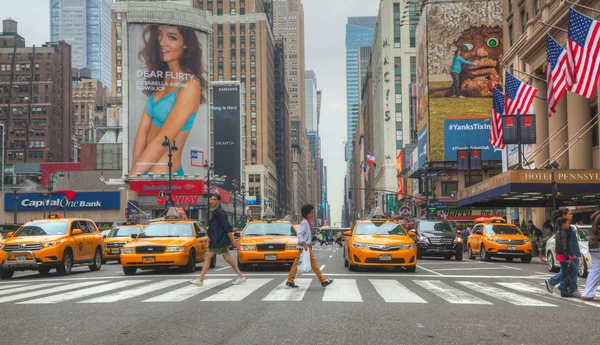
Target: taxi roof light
point(268, 215)
point(378, 214)
point(287, 218)
point(172, 213)
point(53, 216)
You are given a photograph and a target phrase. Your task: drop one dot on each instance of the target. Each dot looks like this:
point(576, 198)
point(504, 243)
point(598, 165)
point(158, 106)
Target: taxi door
point(80, 245)
point(347, 244)
point(201, 243)
point(476, 237)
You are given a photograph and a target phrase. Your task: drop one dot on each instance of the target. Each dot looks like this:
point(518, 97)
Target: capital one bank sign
point(60, 200)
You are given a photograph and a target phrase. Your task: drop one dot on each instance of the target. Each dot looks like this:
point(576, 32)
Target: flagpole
point(552, 26)
point(529, 75)
point(578, 5)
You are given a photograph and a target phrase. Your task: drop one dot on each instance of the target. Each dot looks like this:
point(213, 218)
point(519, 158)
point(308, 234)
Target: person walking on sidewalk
point(220, 237)
point(593, 278)
point(567, 253)
point(557, 278)
point(304, 244)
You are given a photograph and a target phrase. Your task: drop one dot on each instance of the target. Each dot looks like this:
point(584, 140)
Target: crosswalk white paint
point(522, 287)
point(504, 295)
point(238, 292)
point(284, 293)
point(394, 292)
point(7, 286)
point(71, 295)
point(186, 292)
point(36, 293)
point(27, 288)
point(342, 290)
point(138, 291)
point(450, 294)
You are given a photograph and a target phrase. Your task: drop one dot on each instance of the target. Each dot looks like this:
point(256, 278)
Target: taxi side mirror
point(412, 233)
point(477, 232)
point(76, 232)
point(134, 235)
point(9, 234)
point(347, 233)
point(201, 234)
point(104, 236)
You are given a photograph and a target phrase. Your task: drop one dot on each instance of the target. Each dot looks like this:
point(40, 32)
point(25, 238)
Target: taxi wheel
point(470, 253)
point(66, 264)
point(241, 266)
point(411, 269)
point(129, 271)
point(43, 271)
point(483, 255)
point(191, 263)
point(6, 274)
point(582, 271)
point(526, 259)
point(97, 261)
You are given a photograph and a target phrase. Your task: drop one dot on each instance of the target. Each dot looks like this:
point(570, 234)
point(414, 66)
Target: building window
point(396, 25)
point(398, 74)
point(511, 34)
point(242, 11)
point(472, 179)
point(413, 69)
point(524, 19)
point(253, 89)
point(253, 114)
point(232, 11)
point(449, 187)
point(510, 6)
point(219, 11)
point(536, 6)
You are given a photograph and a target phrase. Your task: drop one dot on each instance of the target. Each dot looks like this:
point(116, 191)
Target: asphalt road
point(444, 302)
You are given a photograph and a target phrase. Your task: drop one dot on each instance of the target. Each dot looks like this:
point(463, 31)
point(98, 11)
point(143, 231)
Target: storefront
point(466, 216)
point(100, 206)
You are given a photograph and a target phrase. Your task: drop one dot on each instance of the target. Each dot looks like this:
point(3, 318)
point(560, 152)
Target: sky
point(325, 33)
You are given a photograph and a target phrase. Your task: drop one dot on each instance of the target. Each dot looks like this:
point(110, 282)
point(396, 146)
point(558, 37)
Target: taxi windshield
point(426, 226)
point(167, 230)
point(379, 229)
point(124, 231)
point(269, 229)
point(43, 228)
point(502, 230)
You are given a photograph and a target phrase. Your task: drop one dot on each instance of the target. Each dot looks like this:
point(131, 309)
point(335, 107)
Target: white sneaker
point(239, 281)
point(196, 282)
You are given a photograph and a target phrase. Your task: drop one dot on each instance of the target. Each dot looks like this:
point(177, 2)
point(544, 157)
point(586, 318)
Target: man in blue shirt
point(457, 63)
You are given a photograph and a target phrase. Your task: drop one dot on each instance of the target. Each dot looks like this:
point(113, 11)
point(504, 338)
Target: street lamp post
point(15, 199)
point(172, 147)
point(234, 185)
point(243, 192)
point(376, 196)
point(44, 196)
point(209, 169)
point(66, 204)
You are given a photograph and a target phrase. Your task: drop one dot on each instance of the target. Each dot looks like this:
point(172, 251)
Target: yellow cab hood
point(32, 239)
point(268, 239)
point(514, 237)
point(389, 240)
point(180, 241)
point(117, 239)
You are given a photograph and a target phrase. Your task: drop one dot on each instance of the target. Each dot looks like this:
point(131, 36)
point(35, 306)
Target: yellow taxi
point(378, 241)
point(171, 242)
point(51, 243)
point(116, 238)
point(267, 242)
point(493, 237)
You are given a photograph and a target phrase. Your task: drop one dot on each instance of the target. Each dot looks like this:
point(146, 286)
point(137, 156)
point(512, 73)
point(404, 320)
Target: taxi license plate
point(115, 251)
point(512, 248)
point(148, 259)
point(385, 257)
point(270, 257)
point(21, 258)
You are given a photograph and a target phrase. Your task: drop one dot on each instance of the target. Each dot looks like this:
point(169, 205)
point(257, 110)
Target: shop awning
point(533, 188)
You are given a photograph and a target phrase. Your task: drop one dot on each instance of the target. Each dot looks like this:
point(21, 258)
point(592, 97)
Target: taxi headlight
point(359, 245)
point(50, 244)
point(406, 246)
point(291, 247)
point(251, 247)
point(492, 239)
point(177, 249)
point(127, 250)
point(524, 242)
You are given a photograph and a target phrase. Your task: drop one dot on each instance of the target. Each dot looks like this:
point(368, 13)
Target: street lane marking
point(284, 293)
point(28, 288)
point(222, 268)
point(513, 268)
point(342, 290)
point(476, 269)
point(138, 291)
point(71, 295)
point(428, 270)
point(450, 294)
point(47, 291)
point(238, 292)
point(504, 295)
point(186, 292)
point(522, 287)
point(394, 292)
point(322, 267)
point(12, 286)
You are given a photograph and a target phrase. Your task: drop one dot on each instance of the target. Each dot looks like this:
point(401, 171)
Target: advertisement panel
point(227, 136)
point(422, 89)
point(469, 132)
point(60, 199)
point(197, 187)
point(469, 215)
point(464, 49)
point(167, 97)
point(422, 146)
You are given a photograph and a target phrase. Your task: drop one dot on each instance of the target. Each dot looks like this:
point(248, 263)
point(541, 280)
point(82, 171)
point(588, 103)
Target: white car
point(583, 232)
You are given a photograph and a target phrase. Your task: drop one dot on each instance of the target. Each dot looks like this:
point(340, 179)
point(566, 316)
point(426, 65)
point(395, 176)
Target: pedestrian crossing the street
point(273, 290)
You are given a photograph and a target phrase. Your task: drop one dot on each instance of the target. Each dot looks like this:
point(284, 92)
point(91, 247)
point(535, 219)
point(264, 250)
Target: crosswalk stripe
point(238, 292)
point(28, 288)
point(3, 287)
point(342, 290)
point(528, 288)
point(71, 295)
point(394, 292)
point(284, 293)
point(125, 294)
point(450, 294)
point(504, 295)
point(186, 292)
point(48, 291)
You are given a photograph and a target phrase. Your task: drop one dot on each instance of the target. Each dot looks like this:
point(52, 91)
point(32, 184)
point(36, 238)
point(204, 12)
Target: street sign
point(170, 203)
point(240, 224)
point(452, 195)
point(162, 194)
point(431, 212)
point(405, 211)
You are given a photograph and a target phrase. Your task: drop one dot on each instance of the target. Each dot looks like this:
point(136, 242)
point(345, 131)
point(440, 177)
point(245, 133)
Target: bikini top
point(159, 111)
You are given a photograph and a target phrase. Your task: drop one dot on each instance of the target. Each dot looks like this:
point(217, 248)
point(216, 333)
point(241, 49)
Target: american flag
point(518, 96)
point(367, 169)
point(583, 50)
point(496, 137)
point(557, 74)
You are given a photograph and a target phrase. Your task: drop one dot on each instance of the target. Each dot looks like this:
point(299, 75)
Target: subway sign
point(63, 199)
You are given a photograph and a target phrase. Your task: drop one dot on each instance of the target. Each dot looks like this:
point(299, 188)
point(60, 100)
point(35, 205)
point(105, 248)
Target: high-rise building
point(282, 130)
point(311, 101)
point(359, 33)
point(35, 102)
point(88, 102)
point(86, 26)
point(364, 57)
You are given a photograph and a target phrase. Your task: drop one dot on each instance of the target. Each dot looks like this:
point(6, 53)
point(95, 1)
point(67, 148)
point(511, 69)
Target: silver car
point(583, 232)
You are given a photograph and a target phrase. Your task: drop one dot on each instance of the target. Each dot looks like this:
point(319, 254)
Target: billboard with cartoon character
point(464, 51)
